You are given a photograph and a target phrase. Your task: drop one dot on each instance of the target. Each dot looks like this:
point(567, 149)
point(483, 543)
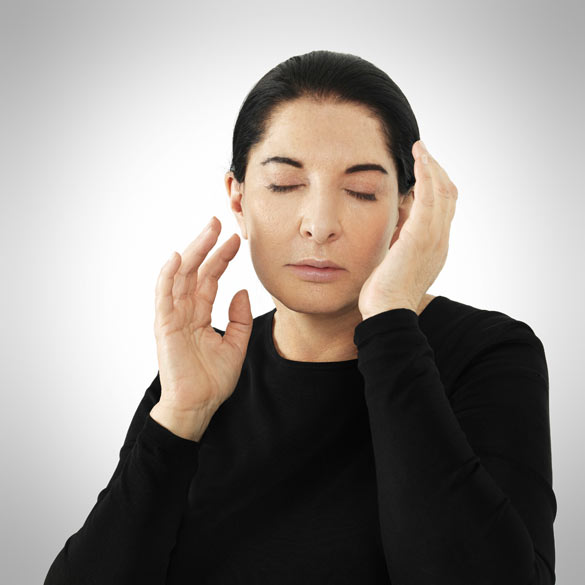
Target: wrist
point(389, 308)
point(186, 424)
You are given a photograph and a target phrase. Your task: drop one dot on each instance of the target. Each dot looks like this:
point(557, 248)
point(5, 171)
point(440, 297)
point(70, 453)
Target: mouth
point(316, 274)
point(316, 263)
point(321, 268)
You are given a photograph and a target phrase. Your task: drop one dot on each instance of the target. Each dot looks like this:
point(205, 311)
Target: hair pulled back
point(338, 77)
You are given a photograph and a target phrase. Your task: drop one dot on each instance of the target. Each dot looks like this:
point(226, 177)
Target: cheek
point(265, 235)
point(374, 245)
point(376, 238)
point(266, 219)
point(268, 247)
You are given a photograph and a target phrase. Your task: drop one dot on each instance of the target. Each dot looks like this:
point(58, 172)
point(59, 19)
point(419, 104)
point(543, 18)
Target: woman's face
point(319, 217)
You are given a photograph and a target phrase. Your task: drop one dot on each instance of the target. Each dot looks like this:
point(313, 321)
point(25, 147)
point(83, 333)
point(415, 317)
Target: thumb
point(239, 328)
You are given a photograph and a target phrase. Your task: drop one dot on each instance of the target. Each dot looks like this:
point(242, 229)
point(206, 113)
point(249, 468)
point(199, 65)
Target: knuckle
point(443, 190)
point(427, 198)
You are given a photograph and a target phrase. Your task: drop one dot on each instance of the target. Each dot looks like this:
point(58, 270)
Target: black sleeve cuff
point(391, 320)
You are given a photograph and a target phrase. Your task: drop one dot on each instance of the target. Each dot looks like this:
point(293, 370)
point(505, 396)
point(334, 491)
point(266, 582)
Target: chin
point(315, 301)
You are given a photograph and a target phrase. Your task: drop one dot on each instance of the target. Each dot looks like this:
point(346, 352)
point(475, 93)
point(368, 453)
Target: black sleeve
point(131, 530)
point(464, 483)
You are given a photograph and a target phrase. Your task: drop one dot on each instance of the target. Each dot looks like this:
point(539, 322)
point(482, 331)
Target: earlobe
point(235, 192)
point(242, 223)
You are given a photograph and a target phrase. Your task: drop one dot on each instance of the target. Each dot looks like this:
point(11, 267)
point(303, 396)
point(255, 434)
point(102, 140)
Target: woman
point(363, 431)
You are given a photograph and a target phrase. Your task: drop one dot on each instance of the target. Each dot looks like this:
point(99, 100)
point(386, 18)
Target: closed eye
point(357, 194)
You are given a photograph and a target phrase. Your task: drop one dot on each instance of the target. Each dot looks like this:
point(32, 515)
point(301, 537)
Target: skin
point(318, 218)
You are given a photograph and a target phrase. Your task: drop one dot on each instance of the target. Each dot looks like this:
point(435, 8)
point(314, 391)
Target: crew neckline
point(426, 317)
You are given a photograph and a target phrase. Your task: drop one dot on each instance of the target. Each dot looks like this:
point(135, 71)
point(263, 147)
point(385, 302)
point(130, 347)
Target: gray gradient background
point(116, 127)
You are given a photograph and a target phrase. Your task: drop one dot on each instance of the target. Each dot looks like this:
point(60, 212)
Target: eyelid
point(356, 194)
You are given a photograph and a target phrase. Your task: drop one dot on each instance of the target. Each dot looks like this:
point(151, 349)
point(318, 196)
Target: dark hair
point(339, 77)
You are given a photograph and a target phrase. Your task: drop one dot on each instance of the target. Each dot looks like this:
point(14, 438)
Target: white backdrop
point(116, 128)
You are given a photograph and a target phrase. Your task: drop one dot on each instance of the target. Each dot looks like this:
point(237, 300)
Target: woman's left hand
point(418, 250)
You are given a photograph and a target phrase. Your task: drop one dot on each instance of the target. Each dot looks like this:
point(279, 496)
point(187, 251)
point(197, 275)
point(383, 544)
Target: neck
point(315, 337)
point(319, 337)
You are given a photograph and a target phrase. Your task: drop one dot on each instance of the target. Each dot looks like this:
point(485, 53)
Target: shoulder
point(457, 320)
point(463, 334)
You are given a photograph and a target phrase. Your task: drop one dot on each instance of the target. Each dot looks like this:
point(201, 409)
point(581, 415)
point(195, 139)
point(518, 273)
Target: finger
point(423, 209)
point(209, 275)
point(446, 192)
point(443, 190)
point(163, 298)
point(450, 187)
point(239, 328)
point(193, 256)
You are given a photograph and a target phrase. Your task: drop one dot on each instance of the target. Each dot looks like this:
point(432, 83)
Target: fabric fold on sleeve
point(445, 518)
point(131, 530)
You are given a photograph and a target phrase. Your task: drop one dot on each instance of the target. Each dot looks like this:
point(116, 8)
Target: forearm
point(443, 515)
point(130, 532)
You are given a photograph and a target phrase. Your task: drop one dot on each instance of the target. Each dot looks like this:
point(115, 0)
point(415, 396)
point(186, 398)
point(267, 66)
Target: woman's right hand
point(198, 367)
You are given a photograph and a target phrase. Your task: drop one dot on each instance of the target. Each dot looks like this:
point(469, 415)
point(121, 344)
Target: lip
point(316, 263)
point(314, 274)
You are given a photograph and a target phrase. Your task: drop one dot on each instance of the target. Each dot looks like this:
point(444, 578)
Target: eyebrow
point(353, 169)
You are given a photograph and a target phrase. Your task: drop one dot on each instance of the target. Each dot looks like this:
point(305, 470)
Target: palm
point(199, 368)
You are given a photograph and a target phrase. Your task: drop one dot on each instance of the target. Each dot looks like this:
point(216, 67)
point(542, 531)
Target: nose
point(321, 216)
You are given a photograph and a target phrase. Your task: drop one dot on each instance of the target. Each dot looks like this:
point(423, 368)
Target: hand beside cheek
point(416, 257)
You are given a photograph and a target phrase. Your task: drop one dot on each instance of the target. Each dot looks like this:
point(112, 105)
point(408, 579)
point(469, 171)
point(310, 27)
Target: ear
point(404, 206)
point(235, 192)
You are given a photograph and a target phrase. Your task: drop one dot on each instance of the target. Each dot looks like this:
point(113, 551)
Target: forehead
point(324, 133)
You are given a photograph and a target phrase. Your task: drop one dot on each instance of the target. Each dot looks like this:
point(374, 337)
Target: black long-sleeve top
point(425, 461)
